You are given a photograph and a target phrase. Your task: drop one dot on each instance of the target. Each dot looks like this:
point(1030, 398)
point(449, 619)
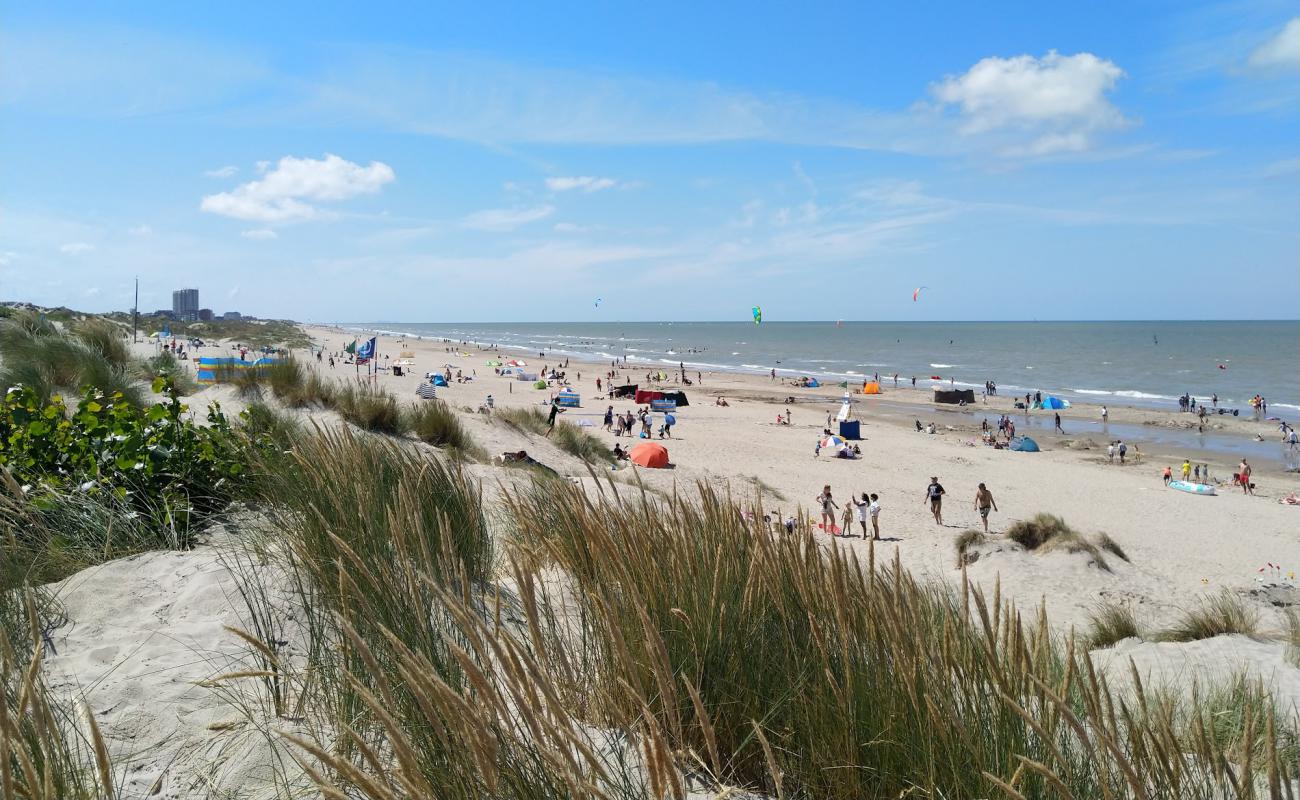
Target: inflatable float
point(1192, 488)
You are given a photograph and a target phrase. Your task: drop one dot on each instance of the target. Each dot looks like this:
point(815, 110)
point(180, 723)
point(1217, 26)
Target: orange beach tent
point(870, 387)
point(648, 454)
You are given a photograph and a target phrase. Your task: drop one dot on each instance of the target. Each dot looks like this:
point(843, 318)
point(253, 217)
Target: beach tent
point(677, 397)
point(850, 429)
point(539, 385)
point(1055, 403)
point(954, 396)
point(663, 404)
point(1024, 444)
point(439, 380)
point(813, 383)
point(871, 387)
point(512, 362)
point(426, 391)
point(494, 363)
point(649, 454)
point(647, 396)
point(567, 398)
point(627, 390)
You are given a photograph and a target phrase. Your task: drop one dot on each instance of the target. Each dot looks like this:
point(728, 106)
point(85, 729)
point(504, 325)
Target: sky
point(681, 161)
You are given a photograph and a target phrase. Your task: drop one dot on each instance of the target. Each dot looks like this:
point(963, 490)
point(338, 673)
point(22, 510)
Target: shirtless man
point(1243, 475)
point(984, 502)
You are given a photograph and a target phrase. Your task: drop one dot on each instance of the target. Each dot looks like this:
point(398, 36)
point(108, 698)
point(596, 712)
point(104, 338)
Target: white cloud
point(279, 195)
point(505, 219)
point(76, 248)
point(1287, 166)
point(569, 227)
point(222, 172)
point(140, 230)
point(585, 183)
point(1283, 50)
point(1060, 98)
point(7, 258)
point(261, 234)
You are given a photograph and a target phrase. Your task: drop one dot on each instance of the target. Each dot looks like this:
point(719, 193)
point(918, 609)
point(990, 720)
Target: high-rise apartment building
point(185, 305)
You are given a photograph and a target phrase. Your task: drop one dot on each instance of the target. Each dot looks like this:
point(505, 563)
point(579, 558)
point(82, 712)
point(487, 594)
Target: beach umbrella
point(669, 419)
point(649, 454)
point(832, 443)
point(426, 391)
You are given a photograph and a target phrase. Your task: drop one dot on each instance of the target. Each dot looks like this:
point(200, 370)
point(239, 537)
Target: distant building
point(165, 313)
point(231, 315)
point(185, 304)
point(205, 315)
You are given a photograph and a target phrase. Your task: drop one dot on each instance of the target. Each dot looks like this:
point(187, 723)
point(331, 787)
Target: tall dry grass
point(46, 753)
point(803, 673)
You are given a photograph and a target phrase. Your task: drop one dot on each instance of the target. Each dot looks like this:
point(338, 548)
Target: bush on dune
point(434, 422)
point(1045, 533)
point(1110, 623)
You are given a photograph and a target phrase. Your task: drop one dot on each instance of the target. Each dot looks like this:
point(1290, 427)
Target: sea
point(1146, 364)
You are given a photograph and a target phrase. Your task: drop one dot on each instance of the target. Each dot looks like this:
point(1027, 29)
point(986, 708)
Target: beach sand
point(143, 631)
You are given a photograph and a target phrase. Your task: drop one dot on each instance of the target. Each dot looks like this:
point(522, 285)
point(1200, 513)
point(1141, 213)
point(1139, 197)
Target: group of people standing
point(868, 508)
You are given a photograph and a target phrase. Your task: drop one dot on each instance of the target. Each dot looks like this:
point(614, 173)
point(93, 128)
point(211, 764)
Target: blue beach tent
point(1055, 403)
point(439, 380)
point(1024, 444)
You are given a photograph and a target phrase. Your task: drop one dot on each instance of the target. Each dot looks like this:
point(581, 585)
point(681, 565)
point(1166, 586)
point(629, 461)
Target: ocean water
point(1124, 363)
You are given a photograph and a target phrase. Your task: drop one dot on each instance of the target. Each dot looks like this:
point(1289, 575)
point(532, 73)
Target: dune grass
point(436, 423)
point(1293, 637)
point(568, 437)
point(965, 541)
point(868, 683)
point(36, 354)
point(1218, 615)
point(107, 339)
point(1046, 533)
point(370, 408)
point(45, 753)
point(1109, 623)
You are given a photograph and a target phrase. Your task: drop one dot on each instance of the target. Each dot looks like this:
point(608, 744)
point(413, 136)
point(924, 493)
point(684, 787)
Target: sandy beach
point(1180, 546)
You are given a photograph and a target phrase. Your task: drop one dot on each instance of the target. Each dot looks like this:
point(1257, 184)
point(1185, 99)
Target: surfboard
point(1192, 488)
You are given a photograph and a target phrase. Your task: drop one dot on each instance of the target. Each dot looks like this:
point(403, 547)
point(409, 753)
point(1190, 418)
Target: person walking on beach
point(1187, 469)
point(1123, 451)
point(609, 418)
point(934, 493)
point(1110, 452)
point(1058, 424)
point(984, 502)
point(1243, 475)
point(1168, 474)
point(1105, 416)
point(829, 506)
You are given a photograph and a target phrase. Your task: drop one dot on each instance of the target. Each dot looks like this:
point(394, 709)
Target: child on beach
point(1168, 474)
point(874, 511)
point(863, 506)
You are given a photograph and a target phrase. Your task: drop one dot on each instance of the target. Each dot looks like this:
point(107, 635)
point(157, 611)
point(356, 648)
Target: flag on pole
point(366, 352)
point(351, 348)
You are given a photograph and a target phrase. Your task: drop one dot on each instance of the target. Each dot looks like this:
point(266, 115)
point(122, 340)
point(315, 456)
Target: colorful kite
point(917, 292)
point(597, 303)
point(758, 315)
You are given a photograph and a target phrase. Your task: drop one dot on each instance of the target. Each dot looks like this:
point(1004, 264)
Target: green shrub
point(286, 378)
point(527, 420)
point(1220, 615)
point(163, 464)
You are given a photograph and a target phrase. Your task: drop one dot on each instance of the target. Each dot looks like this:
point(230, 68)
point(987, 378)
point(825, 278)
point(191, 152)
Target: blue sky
point(513, 162)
